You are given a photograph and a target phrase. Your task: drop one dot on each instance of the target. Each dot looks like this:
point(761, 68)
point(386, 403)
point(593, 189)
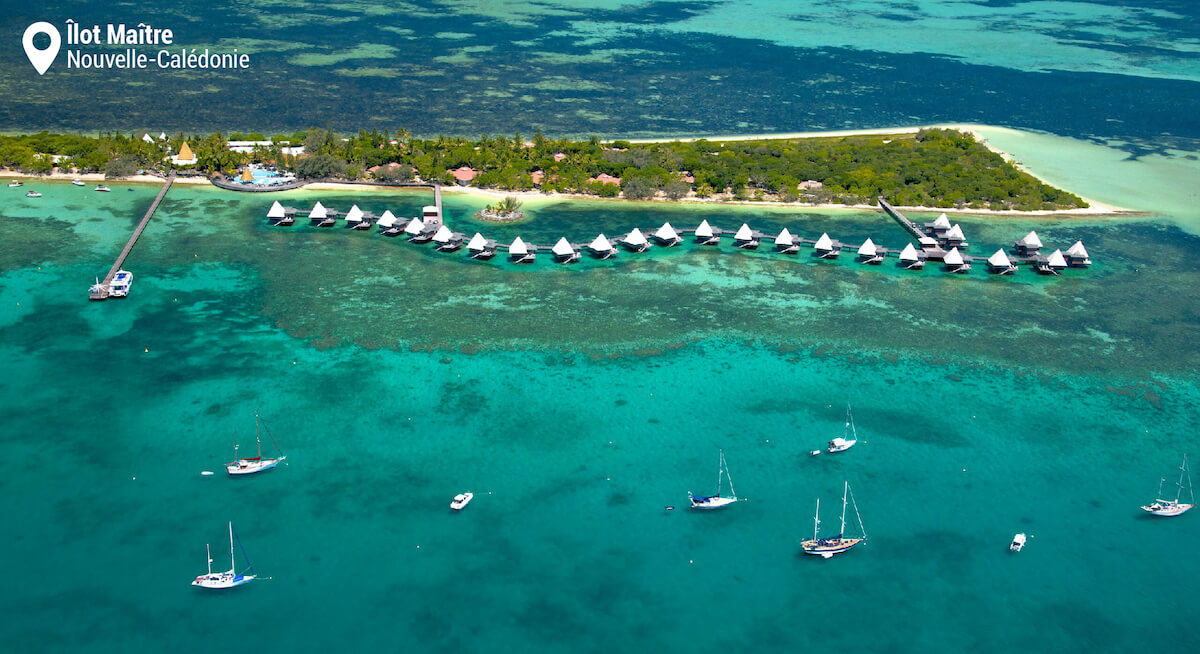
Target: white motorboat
point(33, 194)
point(257, 464)
point(78, 182)
point(15, 184)
point(1172, 508)
point(716, 501)
point(1017, 544)
point(461, 500)
point(229, 578)
point(119, 286)
point(849, 435)
point(102, 188)
point(827, 547)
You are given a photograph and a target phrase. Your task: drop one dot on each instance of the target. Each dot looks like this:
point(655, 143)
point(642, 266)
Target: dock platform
point(137, 232)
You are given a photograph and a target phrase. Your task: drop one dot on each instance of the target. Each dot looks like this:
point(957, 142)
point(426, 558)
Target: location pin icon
point(41, 59)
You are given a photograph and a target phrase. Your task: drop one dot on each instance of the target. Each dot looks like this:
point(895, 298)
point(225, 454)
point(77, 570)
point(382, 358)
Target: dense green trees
point(936, 167)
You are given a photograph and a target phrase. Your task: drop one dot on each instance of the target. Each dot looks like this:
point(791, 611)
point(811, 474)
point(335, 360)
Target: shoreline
point(1094, 209)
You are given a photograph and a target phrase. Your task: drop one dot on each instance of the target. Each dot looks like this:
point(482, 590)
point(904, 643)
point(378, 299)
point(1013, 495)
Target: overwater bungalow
point(785, 243)
point(954, 237)
point(746, 239)
point(1077, 256)
point(825, 247)
point(354, 218)
point(706, 235)
point(938, 227)
point(446, 240)
point(519, 252)
point(480, 247)
point(635, 241)
point(387, 223)
point(601, 248)
point(1052, 264)
point(417, 231)
point(666, 236)
point(954, 262)
point(911, 259)
point(564, 252)
point(868, 253)
point(1000, 264)
point(1029, 245)
point(319, 212)
point(280, 215)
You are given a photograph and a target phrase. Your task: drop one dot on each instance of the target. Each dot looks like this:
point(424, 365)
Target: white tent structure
point(955, 234)
point(519, 252)
point(276, 211)
point(388, 219)
point(147, 138)
point(442, 235)
point(1000, 264)
point(416, 231)
point(1077, 255)
point(667, 236)
point(824, 247)
point(705, 234)
point(1056, 260)
point(954, 261)
point(786, 243)
point(318, 212)
point(910, 259)
point(601, 247)
point(354, 215)
point(162, 136)
point(564, 252)
point(447, 241)
point(635, 241)
point(869, 253)
point(941, 224)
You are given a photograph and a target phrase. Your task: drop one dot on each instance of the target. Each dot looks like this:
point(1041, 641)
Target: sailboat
point(827, 547)
point(258, 463)
point(1171, 508)
point(716, 501)
point(230, 578)
point(849, 435)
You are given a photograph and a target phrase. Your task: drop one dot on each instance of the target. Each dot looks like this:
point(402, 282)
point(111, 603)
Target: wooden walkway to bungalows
point(931, 252)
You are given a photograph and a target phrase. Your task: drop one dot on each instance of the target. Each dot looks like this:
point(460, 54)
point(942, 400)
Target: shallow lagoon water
point(578, 403)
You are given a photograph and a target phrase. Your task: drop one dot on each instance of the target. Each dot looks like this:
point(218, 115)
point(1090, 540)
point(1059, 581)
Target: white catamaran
point(827, 547)
point(1171, 508)
point(230, 578)
point(716, 501)
point(849, 435)
point(258, 463)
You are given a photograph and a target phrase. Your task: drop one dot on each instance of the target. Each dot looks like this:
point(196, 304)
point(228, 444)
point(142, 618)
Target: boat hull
point(840, 445)
point(251, 466)
point(1167, 509)
point(711, 503)
point(222, 581)
point(826, 548)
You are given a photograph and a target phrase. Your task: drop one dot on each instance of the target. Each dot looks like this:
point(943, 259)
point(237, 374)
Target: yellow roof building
point(185, 152)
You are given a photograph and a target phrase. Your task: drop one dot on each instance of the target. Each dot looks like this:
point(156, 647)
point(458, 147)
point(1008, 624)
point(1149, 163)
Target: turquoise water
point(577, 403)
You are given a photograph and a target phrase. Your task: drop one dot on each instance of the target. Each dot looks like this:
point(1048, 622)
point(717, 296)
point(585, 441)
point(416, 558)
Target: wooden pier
point(137, 232)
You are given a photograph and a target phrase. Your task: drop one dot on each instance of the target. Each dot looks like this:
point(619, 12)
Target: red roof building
point(559, 156)
point(463, 175)
point(605, 178)
point(537, 176)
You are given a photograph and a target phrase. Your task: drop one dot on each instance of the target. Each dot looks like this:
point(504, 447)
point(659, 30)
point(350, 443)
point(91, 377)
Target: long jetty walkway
point(936, 241)
point(137, 232)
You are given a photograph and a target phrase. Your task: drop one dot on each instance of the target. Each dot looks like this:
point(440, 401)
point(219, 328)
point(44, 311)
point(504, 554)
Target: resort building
point(248, 146)
point(185, 157)
point(605, 178)
point(463, 175)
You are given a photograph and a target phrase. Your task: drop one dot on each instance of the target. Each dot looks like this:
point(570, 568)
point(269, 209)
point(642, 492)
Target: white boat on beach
point(119, 286)
point(229, 578)
point(1172, 508)
point(461, 500)
point(1017, 544)
point(16, 184)
point(849, 435)
point(241, 466)
point(827, 547)
point(716, 501)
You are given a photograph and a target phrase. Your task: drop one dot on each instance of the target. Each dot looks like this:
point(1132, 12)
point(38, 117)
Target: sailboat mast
point(232, 561)
point(208, 552)
point(1179, 484)
point(817, 520)
point(720, 470)
point(845, 492)
point(257, 437)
